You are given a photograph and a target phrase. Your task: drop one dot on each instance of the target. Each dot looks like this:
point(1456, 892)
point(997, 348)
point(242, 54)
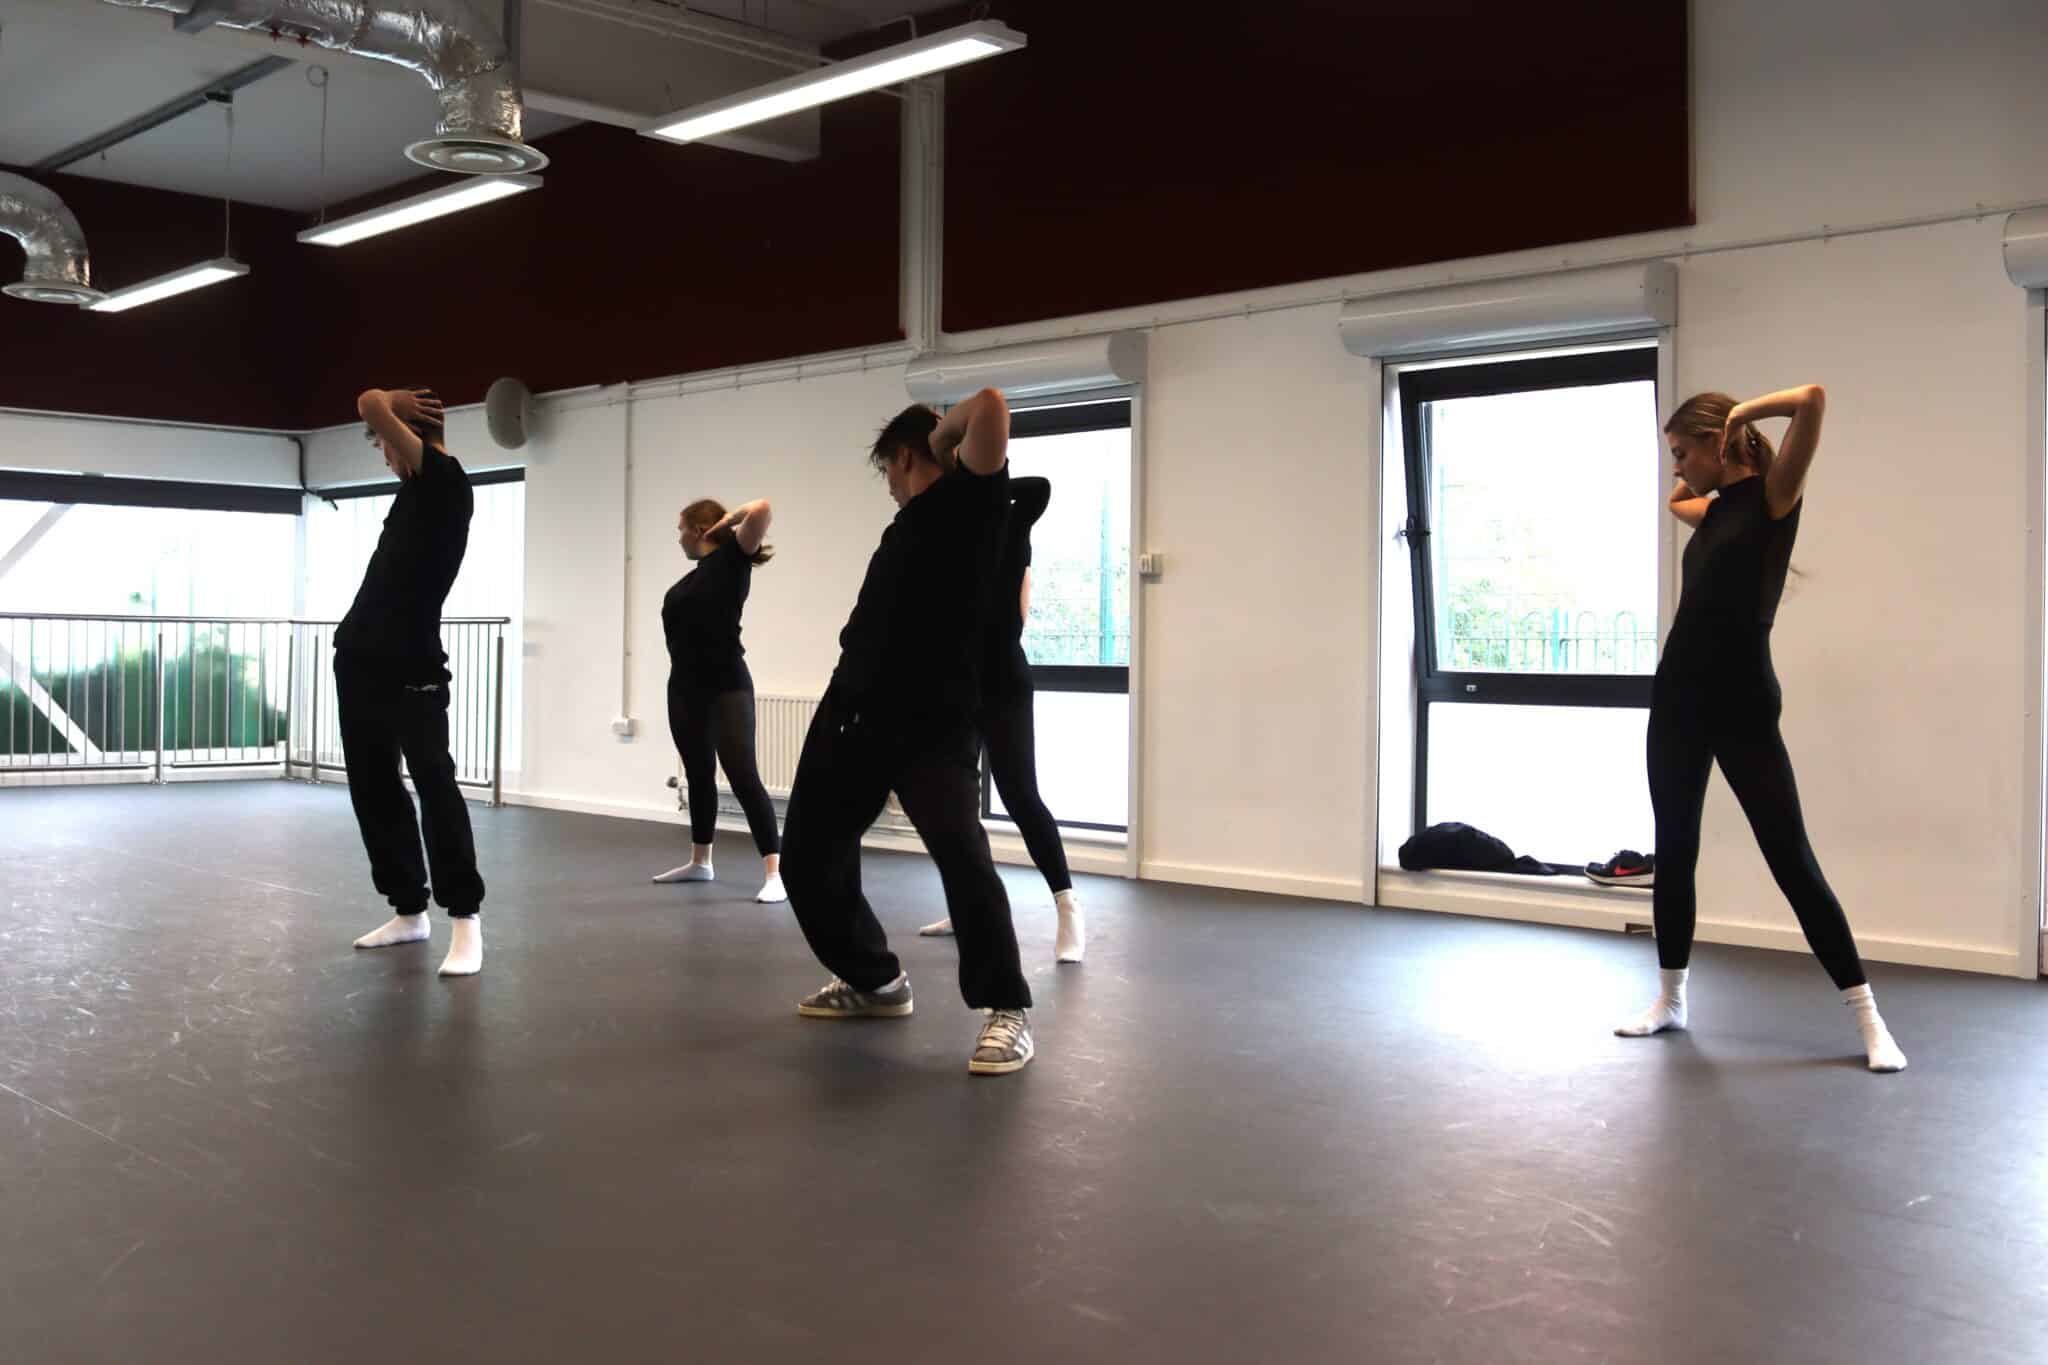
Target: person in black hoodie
point(391, 685)
point(899, 716)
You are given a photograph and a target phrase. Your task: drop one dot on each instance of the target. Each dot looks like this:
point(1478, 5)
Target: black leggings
point(1006, 731)
point(1687, 736)
point(714, 728)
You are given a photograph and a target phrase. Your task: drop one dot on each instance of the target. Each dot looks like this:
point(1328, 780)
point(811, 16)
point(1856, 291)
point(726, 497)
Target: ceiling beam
point(163, 113)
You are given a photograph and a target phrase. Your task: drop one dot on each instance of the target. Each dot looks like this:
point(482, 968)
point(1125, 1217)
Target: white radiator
point(780, 724)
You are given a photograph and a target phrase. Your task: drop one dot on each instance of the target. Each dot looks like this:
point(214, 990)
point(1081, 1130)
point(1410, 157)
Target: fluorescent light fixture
point(164, 286)
point(903, 62)
point(464, 194)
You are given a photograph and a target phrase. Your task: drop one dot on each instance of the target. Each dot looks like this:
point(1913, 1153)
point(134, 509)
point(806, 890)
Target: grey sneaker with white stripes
point(1004, 1045)
point(841, 1001)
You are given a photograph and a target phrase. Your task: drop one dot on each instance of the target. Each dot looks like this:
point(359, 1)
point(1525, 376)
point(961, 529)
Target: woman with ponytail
point(1716, 697)
point(710, 691)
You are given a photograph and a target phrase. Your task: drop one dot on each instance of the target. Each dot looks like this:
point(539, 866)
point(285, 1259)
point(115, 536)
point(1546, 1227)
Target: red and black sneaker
point(1626, 868)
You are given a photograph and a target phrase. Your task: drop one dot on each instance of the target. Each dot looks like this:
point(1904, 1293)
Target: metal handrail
point(229, 620)
point(116, 693)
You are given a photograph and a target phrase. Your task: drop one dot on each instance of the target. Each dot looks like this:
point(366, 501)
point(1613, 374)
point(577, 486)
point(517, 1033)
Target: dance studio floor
point(1257, 1129)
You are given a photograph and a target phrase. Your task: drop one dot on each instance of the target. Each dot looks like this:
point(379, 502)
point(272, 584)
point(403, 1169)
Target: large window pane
point(1565, 784)
point(1544, 549)
point(151, 561)
point(1081, 548)
point(1084, 771)
point(86, 690)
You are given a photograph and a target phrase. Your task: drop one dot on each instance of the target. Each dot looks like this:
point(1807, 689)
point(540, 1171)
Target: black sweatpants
point(386, 713)
point(1006, 725)
point(1735, 725)
point(713, 728)
point(848, 768)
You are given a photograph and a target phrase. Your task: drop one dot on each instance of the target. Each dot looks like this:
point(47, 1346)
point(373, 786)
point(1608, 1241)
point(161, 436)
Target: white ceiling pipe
point(2026, 249)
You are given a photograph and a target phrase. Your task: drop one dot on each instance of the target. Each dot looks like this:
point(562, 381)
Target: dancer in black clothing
point(1006, 723)
point(899, 716)
point(710, 691)
point(1716, 695)
point(391, 685)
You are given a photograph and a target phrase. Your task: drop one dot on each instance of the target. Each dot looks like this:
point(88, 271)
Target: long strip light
point(164, 286)
point(903, 62)
point(465, 194)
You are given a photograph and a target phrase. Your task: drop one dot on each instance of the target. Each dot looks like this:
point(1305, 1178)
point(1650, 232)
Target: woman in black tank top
point(710, 691)
point(1716, 697)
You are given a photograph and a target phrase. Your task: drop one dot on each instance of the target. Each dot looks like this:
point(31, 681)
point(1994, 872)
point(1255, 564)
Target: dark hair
point(1704, 416)
point(911, 430)
point(708, 512)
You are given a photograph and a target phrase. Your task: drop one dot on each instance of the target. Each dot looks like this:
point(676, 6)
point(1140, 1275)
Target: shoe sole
point(935, 933)
point(1638, 879)
point(998, 1068)
point(869, 1012)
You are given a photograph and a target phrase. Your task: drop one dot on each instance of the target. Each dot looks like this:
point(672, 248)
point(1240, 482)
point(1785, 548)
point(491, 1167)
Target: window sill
point(1508, 895)
point(1105, 838)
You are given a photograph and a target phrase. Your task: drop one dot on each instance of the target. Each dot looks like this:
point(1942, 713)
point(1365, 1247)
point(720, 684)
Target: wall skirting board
point(1541, 900)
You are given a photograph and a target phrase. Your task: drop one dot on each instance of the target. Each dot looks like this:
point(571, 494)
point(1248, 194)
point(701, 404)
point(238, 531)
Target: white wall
point(1260, 491)
point(594, 618)
point(144, 450)
point(1899, 648)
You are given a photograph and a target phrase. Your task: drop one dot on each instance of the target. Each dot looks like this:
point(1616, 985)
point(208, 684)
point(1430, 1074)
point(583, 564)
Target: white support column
point(922, 234)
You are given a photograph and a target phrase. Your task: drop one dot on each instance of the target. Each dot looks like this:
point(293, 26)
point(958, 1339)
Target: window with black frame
point(1534, 488)
point(1077, 635)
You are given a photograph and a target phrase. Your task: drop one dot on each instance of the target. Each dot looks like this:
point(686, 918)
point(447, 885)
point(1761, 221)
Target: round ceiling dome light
point(477, 154)
point(34, 292)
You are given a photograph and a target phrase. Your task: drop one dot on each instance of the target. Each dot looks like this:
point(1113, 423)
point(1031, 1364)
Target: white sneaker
point(937, 929)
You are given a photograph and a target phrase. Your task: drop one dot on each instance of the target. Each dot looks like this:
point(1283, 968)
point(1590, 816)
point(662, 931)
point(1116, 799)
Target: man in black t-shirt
point(391, 685)
point(899, 716)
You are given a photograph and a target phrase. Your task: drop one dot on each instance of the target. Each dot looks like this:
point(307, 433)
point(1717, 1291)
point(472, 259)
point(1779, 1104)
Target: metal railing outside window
point(153, 696)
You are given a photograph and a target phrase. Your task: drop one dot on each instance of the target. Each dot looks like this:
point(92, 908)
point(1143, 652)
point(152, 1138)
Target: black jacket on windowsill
point(1456, 847)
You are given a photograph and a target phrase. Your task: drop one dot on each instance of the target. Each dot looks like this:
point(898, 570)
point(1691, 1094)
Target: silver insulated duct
point(451, 43)
point(58, 268)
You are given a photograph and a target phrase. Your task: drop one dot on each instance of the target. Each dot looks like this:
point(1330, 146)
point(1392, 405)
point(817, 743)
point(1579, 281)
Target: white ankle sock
point(465, 948)
point(688, 872)
point(938, 928)
point(772, 891)
point(1070, 940)
point(1667, 1011)
point(397, 929)
point(1884, 1054)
